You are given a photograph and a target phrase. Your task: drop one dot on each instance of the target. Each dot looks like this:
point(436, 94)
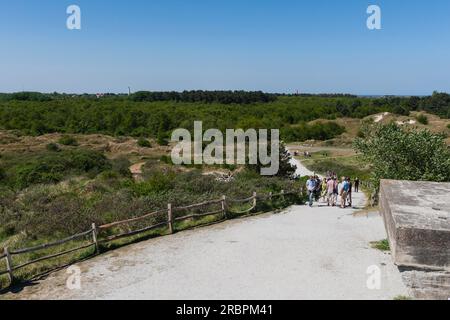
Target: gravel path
point(301, 253)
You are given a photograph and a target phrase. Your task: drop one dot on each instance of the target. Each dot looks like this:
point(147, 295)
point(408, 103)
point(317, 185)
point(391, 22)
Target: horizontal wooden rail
point(198, 205)
point(52, 244)
point(198, 215)
point(117, 223)
point(132, 233)
point(241, 200)
point(244, 211)
point(52, 256)
point(4, 272)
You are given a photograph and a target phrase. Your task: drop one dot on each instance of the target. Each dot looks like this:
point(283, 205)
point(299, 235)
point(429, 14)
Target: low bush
point(400, 153)
point(52, 147)
point(68, 141)
point(423, 119)
point(52, 167)
point(319, 131)
point(144, 143)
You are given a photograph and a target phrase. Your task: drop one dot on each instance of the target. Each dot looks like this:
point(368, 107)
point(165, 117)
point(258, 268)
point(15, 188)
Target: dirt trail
point(136, 169)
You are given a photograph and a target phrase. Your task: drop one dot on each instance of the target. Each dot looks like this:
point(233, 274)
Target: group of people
point(331, 190)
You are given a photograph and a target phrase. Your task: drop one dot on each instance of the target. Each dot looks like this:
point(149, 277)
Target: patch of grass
point(39, 268)
point(351, 166)
point(382, 245)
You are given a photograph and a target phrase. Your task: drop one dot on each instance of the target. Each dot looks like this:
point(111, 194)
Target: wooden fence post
point(9, 265)
point(170, 218)
point(94, 238)
point(282, 195)
point(270, 195)
point(254, 199)
point(224, 208)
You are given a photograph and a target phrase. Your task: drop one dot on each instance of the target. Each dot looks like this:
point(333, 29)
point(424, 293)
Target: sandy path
point(136, 169)
point(301, 253)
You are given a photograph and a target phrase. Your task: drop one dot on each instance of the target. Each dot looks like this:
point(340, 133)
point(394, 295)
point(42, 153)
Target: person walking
point(335, 190)
point(318, 190)
point(330, 192)
point(324, 189)
point(343, 191)
point(350, 188)
point(357, 185)
point(311, 187)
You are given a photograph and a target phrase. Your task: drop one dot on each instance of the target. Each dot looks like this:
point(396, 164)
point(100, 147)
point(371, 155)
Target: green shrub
point(423, 119)
point(52, 168)
point(68, 141)
point(158, 182)
point(52, 147)
point(162, 139)
point(144, 143)
point(405, 154)
point(448, 126)
point(2, 174)
point(319, 131)
point(108, 175)
point(121, 165)
point(166, 159)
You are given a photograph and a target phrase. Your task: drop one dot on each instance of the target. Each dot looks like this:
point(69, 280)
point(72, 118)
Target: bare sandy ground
point(301, 253)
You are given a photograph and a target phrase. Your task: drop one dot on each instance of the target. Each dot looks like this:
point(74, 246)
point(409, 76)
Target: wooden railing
point(169, 220)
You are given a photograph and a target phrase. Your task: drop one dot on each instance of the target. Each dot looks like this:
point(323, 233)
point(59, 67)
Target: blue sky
point(275, 46)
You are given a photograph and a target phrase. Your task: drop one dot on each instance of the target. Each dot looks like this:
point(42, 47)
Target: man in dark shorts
point(357, 185)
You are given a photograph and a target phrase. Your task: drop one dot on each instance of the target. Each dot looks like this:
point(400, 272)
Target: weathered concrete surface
point(425, 284)
point(417, 220)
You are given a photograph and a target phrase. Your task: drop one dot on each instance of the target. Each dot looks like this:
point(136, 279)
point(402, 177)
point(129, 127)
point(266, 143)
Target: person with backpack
point(350, 191)
point(344, 186)
point(318, 190)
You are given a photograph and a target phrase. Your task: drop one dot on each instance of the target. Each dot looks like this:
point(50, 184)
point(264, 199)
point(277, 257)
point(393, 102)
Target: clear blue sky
point(270, 45)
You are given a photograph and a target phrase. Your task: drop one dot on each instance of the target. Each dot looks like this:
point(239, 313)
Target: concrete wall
point(417, 220)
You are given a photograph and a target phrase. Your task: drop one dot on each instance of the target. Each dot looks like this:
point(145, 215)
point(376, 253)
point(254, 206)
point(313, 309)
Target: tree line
point(116, 115)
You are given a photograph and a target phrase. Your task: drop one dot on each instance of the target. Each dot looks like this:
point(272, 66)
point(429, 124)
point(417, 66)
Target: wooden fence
point(170, 219)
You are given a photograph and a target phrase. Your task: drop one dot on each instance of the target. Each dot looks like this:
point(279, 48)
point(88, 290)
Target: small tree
point(404, 154)
point(286, 169)
point(53, 147)
point(144, 143)
point(423, 119)
point(162, 139)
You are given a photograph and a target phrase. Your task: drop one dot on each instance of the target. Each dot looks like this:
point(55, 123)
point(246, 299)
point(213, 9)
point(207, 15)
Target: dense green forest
point(157, 114)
